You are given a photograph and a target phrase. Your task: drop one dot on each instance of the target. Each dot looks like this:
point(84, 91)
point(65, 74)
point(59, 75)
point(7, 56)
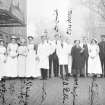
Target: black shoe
point(82, 75)
point(45, 78)
point(66, 78)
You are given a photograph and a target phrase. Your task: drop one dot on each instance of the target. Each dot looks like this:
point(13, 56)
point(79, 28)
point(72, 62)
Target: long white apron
point(43, 53)
point(22, 51)
point(70, 57)
point(11, 63)
point(37, 68)
point(32, 68)
point(2, 61)
point(94, 64)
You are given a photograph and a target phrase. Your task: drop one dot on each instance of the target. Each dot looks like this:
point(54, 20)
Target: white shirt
point(43, 54)
point(12, 49)
point(63, 53)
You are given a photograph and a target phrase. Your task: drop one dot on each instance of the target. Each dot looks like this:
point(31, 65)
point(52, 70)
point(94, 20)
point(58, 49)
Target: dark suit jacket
point(85, 53)
point(102, 49)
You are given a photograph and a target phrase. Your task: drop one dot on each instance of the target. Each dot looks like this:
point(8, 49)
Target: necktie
point(56, 42)
point(62, 45)
point(56, 46)
point(85, 46)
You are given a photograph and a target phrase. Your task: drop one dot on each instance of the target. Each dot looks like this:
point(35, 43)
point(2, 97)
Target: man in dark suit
point(84, 56)
point(102, 54)
point(53, 58)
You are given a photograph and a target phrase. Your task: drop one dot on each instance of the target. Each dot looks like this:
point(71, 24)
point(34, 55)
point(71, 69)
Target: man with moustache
point(53, 58)
point(85, 55)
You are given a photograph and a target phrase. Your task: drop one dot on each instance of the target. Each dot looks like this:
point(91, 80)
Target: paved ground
point(31, 92)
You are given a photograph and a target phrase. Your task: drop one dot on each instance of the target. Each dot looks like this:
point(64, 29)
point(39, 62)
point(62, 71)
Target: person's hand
point(13, 57)
point(37, 58)
point(90, 51)
point(25, 55)
point(69, 54)
point(4, 61)
point(82, 50)
point(92, 57)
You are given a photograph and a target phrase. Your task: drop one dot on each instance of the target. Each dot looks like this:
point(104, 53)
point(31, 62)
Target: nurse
point(22, 53)
point(31, 55)
point(12, 53)
point(43, 54)
point(2, 58)
point(94, 63)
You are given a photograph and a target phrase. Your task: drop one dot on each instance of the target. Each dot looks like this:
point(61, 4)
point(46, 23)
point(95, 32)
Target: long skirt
point(32, 68)
point(94, 65)
point(76, 65)
point(2, 65)
point(11, 67)
point(70, 64)
point(37, 69)
point(2, 69)
point(21, 66)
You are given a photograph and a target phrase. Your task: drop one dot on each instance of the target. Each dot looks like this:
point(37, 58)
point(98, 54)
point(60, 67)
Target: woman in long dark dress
point(76, 58)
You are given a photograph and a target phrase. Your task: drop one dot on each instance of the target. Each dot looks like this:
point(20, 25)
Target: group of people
point(58, 57)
